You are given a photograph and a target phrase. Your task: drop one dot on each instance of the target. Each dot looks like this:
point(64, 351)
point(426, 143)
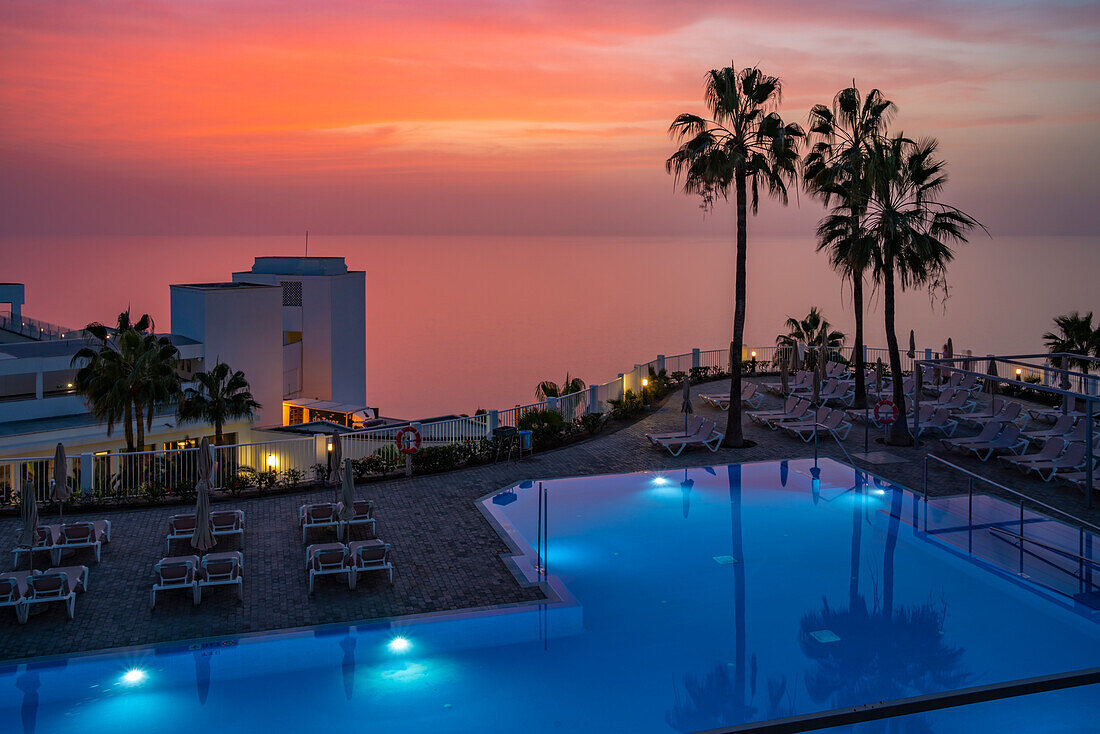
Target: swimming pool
point(684, 600)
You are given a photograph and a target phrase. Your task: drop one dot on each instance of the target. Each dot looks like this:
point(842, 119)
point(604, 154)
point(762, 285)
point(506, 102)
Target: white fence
point(149, 473)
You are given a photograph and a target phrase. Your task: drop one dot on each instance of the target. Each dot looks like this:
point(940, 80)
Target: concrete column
point(37, 385)
point(695, 360)
point(593, 398)
point(660, 363)
point(551, 403)
point(927, 353)
point(864, 354)
point(87, 469)
point(494, 423)
point(320, 449)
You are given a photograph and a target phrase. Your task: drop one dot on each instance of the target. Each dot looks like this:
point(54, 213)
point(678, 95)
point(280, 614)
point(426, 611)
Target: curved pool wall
point(681, 601)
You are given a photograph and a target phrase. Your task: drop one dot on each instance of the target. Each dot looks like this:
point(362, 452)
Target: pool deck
point(446, 554)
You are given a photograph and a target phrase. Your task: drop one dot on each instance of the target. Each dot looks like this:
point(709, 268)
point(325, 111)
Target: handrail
point(838, 443)
point(1016, 493)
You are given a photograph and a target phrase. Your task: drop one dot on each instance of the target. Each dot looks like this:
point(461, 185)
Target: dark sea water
point(457, 323)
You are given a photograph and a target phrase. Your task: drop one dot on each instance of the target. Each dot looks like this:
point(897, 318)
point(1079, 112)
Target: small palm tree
point(220, 397)
point(836, 169)
point(912, 234)
point(126, 375)
point(812, 330)
point(744, 144)
point(1075, 335)
point(551, 389)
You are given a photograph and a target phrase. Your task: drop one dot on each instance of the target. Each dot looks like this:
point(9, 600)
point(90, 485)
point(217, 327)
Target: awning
point(328, 405)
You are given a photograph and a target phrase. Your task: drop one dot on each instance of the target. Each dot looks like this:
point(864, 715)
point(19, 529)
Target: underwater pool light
point(134, 677)
point(658, 480)
point(399, 645)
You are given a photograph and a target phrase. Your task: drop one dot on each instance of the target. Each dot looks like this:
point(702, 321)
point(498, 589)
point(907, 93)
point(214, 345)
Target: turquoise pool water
point(686, 600)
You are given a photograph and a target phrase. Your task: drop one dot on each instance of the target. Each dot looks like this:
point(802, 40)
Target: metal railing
point(37, 329)
point(1023, 500)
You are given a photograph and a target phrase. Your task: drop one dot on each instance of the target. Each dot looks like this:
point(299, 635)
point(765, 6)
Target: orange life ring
point(886, 412)
point(408, 440)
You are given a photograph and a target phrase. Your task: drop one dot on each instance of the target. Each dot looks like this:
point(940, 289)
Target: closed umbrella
point(912, 345)
point(347, 494)
point(28, 513)
point(799, 354)
point(203, 538)
point(949, 353)
point(992, 372)
point(335, 463)
point(686, 407)
point(61, 490)
point(878, 376)
point(817, 378)
point(784, 385)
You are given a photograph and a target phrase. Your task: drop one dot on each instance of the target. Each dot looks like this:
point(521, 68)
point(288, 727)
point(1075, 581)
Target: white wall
point(349, 338)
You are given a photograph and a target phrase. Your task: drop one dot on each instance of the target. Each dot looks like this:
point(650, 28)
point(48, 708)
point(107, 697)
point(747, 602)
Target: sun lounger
point(749, 396)
point(176, 572)
point(693, 426)
point(45, 538)
point(1052, 415)
point(707, 436)
point(325, 559)
point(988, 433)
point(842, 392)
point(833, 423)
point(1051, 450)
point(221, 569)
point(1009, 439)
point(365, 556)
point(1074, 458)
point(13, 592)
point(75, 535)
point(836, 370)
point(937, 419)
point(179, 526)
point(800, 379)
point(225, 523)
point(1061, 428)
point(1009, 413)
point(56, 585)
point(321, 515)
point(806, 417)
point(760, 416)
point(953, 381)
point(364, 515)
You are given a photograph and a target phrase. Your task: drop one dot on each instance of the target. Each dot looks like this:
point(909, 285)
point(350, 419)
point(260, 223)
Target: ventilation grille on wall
point(292, 293)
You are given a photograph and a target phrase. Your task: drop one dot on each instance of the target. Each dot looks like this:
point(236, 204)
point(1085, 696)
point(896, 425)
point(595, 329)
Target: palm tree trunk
point(888, 554)
point(735, 437)
point(857, 542)
point(129, 427)
point(899, 432)
point(140, 426)
point(857, 304)
point(217, 433)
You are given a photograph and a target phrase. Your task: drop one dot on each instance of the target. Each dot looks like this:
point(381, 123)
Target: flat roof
point(328, 405)
point(222, 286)
point(67, 347)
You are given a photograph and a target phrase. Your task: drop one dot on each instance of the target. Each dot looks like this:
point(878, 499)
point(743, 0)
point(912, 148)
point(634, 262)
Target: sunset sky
point(506, 117)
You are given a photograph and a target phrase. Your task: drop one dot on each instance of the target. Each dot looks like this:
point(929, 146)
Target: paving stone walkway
point(447, 555)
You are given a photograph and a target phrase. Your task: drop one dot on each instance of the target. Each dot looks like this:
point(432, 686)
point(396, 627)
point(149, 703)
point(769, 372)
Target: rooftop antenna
point(307, 243)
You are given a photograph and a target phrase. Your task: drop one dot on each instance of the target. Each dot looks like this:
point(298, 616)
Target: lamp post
point(753, 363)
point(645, 391)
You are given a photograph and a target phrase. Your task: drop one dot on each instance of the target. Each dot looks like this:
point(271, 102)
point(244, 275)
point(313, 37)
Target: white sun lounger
point(13, 592)
point(693, 426)
point(833, 422)
point(1008, 439)
point(176, 572)
point(320, 515)
point(707, 436)
point(364, 515)
point(45, 538)
point(365, 556)
point(222, 569)
point(1062, 427)
point(226, 523)
point(1074, 458)
point(1051, 450)
point(324, 559)
point(1009, 413)
point(760, 416)
point(56, 585)
point(75, 535)
point(988, 433)
point(938, 419)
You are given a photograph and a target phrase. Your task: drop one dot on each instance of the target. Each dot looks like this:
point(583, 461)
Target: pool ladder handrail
point(1023, 498)
point(839, 443)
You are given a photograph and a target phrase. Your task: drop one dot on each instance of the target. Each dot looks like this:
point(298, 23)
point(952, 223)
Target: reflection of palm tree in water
point(28, 683)
point(718, 697)
point(882, 653)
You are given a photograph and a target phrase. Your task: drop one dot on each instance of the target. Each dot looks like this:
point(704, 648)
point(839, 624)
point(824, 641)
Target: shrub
point(384, 460)
point(589, 423)
point(630, 405)
point(185, 489)
point(293, 476)
point(438, 458)
point(547, 427)
point(245, 477)
point(267, 479)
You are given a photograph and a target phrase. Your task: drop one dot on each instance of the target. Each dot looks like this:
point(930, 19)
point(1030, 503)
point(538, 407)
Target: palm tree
point(127, 375)
point(912, 234)
point(836, 168)
point(551, 389)
point(1075, 335)
point(812, 330)
point(745, 142)
point(219, 397)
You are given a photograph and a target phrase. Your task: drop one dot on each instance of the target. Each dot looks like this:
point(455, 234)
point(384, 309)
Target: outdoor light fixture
point(399, 645)
point(272, 460)
point(645, 382)
point(659, 481)
point(134, 677)
point(754, 354)
point(1019, 372)
point(330, 445)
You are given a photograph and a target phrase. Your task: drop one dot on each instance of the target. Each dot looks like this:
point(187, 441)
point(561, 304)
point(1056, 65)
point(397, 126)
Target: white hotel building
point(296, 326)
